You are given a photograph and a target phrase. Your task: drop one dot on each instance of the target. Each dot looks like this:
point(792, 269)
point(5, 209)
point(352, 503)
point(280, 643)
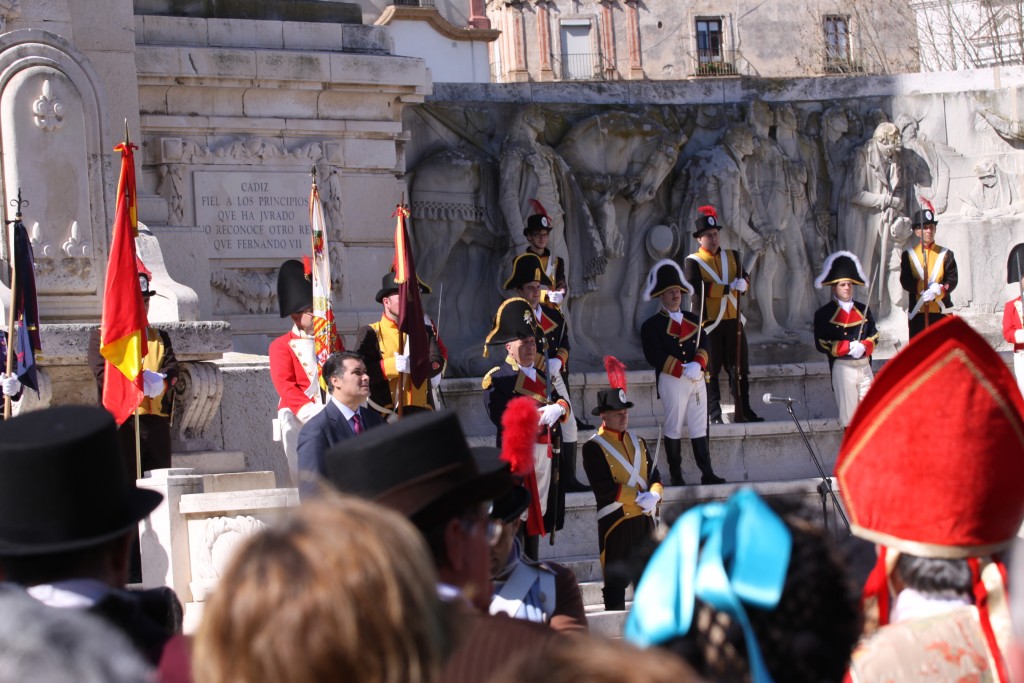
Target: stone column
point(544, 41)
point(164, 534)
point(517, 42)
point(608, 38)
point(636, 69)
point(478, 14)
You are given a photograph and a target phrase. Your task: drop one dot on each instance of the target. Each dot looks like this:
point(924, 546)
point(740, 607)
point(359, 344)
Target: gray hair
point(41, 643)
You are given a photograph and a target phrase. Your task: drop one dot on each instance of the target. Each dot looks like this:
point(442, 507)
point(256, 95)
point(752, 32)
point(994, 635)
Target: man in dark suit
point(344, 417)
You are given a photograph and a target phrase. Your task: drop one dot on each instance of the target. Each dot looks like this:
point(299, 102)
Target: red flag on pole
point(123, 329)
point(410, 308)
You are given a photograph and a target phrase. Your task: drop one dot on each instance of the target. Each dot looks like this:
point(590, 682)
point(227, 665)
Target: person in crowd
point(345, 417)
point(527, 279)
point(423, 468)
point(928, 273)
point(1013, 313)
point(519, 375)
point(676, 346)
point(844, 330)
point(378, 343)
point(293, 366)
point(627, 488)
point(160, 374)
point(744, 593)
point(723, 281)
point(68, 514)
point(935, 603)
point(341, 589)
point(43, 643)
point(543, 592)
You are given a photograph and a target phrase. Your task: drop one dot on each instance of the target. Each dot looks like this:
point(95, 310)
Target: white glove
point(435, 381)
point(556, 296)
point(402, 364)
point(927, 295)
point(738, 285)
point(551, 414)
point(554, 366)
point(152, 383)
point(11, 384)
point(857, 349)
point(693, 371)
point(936, 289)
point(1018, 337)
point(309, 411)
point(648, 500)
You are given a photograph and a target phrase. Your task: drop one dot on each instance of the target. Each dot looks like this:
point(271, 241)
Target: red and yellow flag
point(123, 330)
point(325, 333)
point(411, 320)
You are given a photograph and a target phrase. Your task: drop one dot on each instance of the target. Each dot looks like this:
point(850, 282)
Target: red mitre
point(933, 462)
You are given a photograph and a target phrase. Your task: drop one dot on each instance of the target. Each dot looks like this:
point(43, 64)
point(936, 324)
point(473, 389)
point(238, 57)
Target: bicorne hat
point(528, 268)
point(1015, 265)
point(513, 321)
point(421, 466)
point(63, 484)
point(664, 275)
point(707, 220)
point(294, 288)
point(539, 220)
point(388, 286)
point(841, 266)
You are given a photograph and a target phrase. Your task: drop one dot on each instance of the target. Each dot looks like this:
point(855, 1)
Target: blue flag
point(26, 310)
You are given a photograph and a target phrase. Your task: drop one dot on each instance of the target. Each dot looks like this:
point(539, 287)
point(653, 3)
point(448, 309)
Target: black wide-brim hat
point(388, 286)
point(536, 223)
point(294, 288)
point(841, 266)
point(63, 484)
point(528, 268)
point(511, 506)
point(924, 217)
point(704, 223)
point(513, 321)
point(611, 399)
point(421, 466)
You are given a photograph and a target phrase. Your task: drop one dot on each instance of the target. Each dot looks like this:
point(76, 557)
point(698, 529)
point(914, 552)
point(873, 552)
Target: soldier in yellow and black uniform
point(928, 273)
point(537, 233)
point(844, 330)
point(719, 273)
point(378, 344)
point(627, 487)
point(527, 279)
point(160, 373)
point(676, 348)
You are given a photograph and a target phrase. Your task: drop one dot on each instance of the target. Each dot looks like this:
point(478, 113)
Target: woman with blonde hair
point(343, 589)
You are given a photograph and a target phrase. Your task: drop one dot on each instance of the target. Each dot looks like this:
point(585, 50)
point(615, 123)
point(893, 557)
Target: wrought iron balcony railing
point(715, 63)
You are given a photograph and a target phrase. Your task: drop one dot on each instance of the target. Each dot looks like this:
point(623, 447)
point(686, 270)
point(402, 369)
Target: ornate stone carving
point(171, 187)
point(251, 150)
point(220, 537)
point(48, 110)
point(75, 246)
point(41, 248)
point(995, 194)
point(197, 397)
point(256, 291)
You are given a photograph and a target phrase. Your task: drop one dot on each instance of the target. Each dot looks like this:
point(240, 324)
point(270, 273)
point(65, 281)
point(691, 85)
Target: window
point(709, 40)
point(577, 61)
point(837, 40)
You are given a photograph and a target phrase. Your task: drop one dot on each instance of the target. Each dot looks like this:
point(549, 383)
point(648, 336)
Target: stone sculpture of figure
point(925, 173)
point(870, 206)
point(804, 170)
point(994, 195)
point(772, 188)
point(836, 144)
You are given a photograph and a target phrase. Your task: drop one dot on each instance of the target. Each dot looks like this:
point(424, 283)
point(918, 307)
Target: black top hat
point(421, 466)
point(513, 321)
point(664, 275)
point(841, 266)
point(528, 268)
point(294, 288)
point(388, 286)
point(63, 484)
point(537, 222)
point(707, 220)
point(1015, 264)
point(611, 399)
point(924, 217)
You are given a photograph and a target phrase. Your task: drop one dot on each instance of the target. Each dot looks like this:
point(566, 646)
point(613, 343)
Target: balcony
point(847, 62)
point(710, 63)
point(413, 3)
point(584, 66)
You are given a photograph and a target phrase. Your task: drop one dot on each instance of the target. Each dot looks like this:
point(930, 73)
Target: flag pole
point(138, 435)
point(12, 313)
point(397, 399)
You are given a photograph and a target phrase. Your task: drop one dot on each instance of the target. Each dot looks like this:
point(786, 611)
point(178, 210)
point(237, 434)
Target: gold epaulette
point(486, 383)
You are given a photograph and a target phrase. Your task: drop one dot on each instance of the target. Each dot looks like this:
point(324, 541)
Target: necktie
point(357, 424)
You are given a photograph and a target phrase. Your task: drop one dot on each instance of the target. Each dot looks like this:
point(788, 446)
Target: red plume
point(616, 370)
point(307, 267)
point(708, 210)
point(141, 267)
point(539, 208)
point(519, 434)
point(926, 204)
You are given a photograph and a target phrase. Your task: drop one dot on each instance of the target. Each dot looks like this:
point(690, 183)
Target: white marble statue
point(926, 173)
point(994, 195)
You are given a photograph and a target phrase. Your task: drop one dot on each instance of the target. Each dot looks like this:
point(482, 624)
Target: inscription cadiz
point(248, 215)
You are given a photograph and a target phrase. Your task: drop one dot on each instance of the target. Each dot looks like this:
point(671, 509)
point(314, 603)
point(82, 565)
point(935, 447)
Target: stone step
point(607, 624)
point(592, 595)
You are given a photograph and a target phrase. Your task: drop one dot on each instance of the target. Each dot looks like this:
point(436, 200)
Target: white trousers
point(850, 382)
point(686, 405)
point(1018, 369)
point(287, 432)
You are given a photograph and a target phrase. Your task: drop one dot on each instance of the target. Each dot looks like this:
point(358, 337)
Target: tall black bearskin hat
point(665, 274)
point(539, 220)
point(841, 266)
point(528, 268)
point(294, 288)
point(707, 220)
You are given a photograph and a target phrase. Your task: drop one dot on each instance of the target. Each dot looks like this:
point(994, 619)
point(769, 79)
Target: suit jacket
point(484, 644)
point(324, 430)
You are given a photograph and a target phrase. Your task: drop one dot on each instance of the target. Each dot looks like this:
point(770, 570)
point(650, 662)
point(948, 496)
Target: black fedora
point(294, 288)
point(611, 399)
point(388, 286)
point(63, 484)
point(421, 466)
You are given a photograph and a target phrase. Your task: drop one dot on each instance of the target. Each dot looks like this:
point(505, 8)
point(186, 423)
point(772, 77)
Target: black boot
point(614, 598)
point(714, 402)
point(748, 414)
point(702, 456)
point(674, 455)
point(567, 470)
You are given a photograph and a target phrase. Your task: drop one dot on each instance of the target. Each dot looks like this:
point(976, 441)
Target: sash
point(724, 281)
point(633, 469)
point(930, 280)
point(509, 600)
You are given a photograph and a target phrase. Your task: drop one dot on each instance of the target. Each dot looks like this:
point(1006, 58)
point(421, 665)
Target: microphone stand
point(825, 486)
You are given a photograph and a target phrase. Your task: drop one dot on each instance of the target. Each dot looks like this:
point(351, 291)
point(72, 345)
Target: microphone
point(769, 399)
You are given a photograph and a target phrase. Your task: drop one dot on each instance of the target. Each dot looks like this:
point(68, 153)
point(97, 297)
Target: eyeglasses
point(492, 527)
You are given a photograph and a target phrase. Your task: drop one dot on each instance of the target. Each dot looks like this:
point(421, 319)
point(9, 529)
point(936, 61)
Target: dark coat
point(324, 430)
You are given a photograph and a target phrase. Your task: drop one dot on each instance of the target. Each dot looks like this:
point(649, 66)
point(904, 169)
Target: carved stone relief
point(252, 291)
point(9, 9)
point(197, 397)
